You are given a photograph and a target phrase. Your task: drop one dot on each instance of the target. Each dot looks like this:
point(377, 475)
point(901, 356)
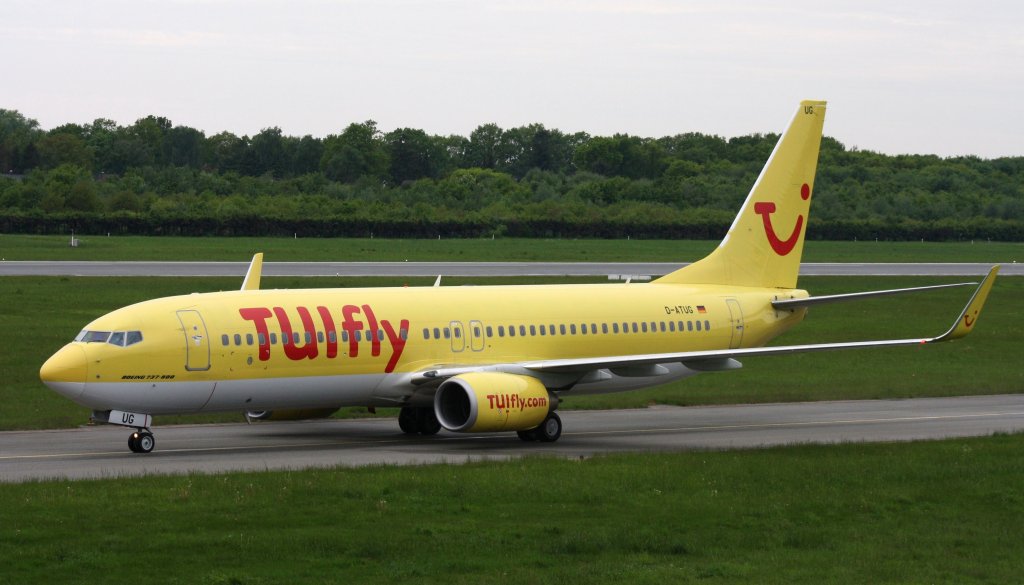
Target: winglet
point(252, 277)
point(969, 316)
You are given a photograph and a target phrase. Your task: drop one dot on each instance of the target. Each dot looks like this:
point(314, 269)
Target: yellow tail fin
point(765, 242)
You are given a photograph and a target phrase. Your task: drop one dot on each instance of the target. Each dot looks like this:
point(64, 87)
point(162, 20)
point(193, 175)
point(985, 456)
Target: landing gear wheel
point(428, 423)
point(407, 421)
point(146, 442)
point(550, 430)
point(529, 436)
point(141, 442)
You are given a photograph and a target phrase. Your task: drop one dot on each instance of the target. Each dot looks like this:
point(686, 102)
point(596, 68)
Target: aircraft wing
point(720, 359)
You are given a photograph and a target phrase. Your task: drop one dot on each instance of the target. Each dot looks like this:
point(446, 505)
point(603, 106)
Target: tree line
point(154, 177)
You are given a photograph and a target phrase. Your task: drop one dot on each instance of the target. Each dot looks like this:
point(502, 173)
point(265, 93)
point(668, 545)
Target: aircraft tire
point(133, 442)
point(145, 442)
point(428, 423)
point(529, 436)
point(407, 421)
point(551, 429)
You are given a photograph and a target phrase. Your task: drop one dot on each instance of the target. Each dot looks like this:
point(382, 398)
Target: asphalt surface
point(102, 451)
point(618, 270)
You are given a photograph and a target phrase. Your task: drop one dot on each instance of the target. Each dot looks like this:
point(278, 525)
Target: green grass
point(42, 313)
point(930, 512)
point(23, 247)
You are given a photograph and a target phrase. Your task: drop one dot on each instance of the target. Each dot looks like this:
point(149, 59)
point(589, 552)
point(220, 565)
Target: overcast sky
point(922, 76)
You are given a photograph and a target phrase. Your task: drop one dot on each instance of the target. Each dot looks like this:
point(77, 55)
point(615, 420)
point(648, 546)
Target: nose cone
point(65, 371)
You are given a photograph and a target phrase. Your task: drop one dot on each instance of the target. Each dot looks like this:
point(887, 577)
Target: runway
point(96, 452)
point(618, 270)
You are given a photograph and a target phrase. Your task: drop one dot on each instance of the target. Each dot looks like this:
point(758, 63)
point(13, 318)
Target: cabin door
point(476, 336)
point(197, 342)
point(458, 336)
point(735, 322)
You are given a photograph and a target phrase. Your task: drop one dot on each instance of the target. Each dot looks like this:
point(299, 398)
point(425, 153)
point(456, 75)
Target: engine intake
point(492, 402)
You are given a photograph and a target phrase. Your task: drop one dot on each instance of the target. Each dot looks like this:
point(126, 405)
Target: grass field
point(930, 512)
point(46, 312)
point(22, 247)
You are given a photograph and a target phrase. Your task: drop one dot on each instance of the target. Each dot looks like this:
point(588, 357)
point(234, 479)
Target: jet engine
point(492, 402)
point(290, 414)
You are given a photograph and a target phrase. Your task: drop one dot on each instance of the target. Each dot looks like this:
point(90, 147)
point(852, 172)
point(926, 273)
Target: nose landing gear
point(141, 441)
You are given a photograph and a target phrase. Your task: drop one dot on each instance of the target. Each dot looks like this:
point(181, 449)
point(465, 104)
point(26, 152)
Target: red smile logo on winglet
point(766, 208)
point(969, 319)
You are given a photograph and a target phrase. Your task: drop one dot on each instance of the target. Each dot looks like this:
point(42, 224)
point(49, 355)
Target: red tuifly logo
point(765, 209)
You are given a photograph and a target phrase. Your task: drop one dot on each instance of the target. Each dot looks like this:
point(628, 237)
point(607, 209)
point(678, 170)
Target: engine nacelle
point(290, 414)
point(491, 402)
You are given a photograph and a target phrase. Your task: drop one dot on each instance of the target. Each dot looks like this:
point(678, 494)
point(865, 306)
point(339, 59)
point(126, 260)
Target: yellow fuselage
point(303, 348)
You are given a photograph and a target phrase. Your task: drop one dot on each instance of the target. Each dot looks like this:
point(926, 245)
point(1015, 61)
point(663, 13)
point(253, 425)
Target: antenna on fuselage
point(252, 277)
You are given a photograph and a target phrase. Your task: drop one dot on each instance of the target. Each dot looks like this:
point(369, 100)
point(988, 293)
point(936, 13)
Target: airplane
point(469, 359)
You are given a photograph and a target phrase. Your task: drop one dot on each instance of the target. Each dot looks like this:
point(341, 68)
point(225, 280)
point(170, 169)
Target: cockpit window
point(93, 336)
point(118, 338)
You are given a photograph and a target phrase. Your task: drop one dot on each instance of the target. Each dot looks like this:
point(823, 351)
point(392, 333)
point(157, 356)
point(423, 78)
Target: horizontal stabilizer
point(825, 299)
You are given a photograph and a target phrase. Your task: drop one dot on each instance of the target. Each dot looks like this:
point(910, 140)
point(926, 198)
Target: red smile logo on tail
point(766, 208)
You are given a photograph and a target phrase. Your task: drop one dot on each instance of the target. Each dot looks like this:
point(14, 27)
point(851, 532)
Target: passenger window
point(437, 333)
point(248, 338)
point(262, 338)
point(501, 331)
point(572, 328)
point(522, 330)
point(583, 328)
point(426, 333)
point(561, 328)
point(543, 330)
point(319, 336)
point(490, 332)
point(116, 338)
point(224, 340)
point(707, 325)
point(662, 326)
point(358, 335)
point(672, 326)
point(273, 339)
point(615, 327)
point(238, 339)
point(551, 329)
point(458, 332)
point(635, 328)
point(533, 330)
point(447, 333)
point(404, 334)
point(698, 325)
point(511, 330)
point(593, 328)
point(643, 327)
point(295, 337)
point(476, 331)
point(332, 336)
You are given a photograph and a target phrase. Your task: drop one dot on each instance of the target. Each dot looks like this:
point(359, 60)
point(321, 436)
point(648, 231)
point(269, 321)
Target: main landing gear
point(547, 432)
point(421, 421)
point(141, 441)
